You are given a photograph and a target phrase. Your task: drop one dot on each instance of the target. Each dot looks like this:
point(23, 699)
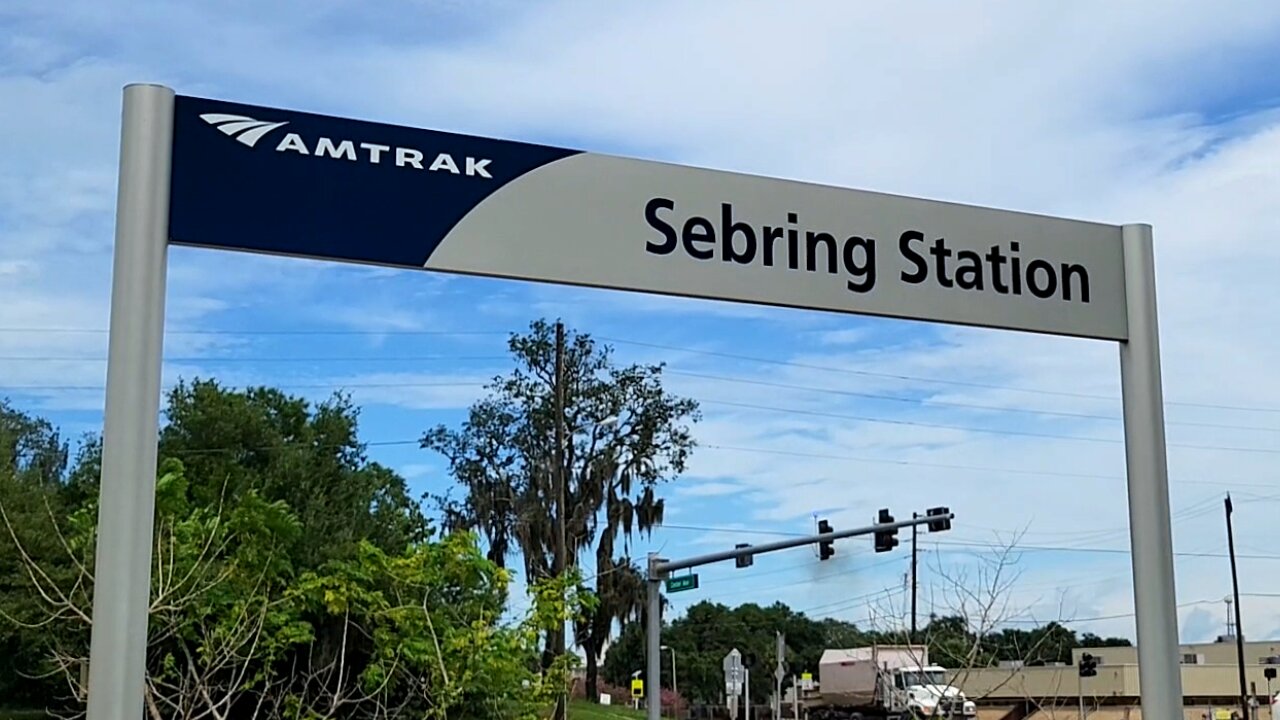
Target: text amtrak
point(405, 157)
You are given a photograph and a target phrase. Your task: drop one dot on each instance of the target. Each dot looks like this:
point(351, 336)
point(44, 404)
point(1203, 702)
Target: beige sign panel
point(610, 222)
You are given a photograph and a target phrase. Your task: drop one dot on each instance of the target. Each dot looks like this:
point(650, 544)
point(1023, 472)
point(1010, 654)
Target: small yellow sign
point(637, 688)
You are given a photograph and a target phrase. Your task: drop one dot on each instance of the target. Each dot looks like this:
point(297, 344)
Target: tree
point(625, 436)
point(212, 619)
point(419, 637)
point(287, 449)
point(708, 631)
point(357, 612)
point(621, 591)
point(33, 459)
point(31, 449)
point(234, 633)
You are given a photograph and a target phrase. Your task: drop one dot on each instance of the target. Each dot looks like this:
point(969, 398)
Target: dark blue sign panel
point(279, 181)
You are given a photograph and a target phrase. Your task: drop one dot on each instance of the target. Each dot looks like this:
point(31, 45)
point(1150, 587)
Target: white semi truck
point(889, 682)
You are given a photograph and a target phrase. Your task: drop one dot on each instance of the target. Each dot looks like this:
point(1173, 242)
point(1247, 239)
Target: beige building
point(1210, 682)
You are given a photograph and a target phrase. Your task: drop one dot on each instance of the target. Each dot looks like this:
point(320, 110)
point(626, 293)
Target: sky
point(1166, 113)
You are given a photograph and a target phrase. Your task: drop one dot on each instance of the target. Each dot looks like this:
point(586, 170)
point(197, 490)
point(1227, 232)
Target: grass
point(582, 710)
point(13, 714)
point(578, 710)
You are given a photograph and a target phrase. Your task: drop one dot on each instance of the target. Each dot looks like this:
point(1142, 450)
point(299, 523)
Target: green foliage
point(31, 450)
point(33, 458)
point(291, 577)
point(286, 449)
point(421, 631)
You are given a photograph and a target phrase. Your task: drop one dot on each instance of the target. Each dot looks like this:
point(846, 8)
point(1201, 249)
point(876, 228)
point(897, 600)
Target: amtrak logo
point(249, 131)
point(244, 129)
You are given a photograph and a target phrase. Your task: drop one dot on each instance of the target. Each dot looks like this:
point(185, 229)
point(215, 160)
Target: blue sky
point(1156, 112)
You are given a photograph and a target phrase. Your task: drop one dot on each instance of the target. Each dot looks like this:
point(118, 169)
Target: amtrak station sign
point(225, 175)
point(277, 181)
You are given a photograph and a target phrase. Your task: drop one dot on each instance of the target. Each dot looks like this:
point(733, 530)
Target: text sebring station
point(999, 268)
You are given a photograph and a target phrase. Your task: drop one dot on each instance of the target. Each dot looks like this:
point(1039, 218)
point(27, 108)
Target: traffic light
point(1088, 665)
point(825, 549)
point(886, 540)
point(744, 560)
point(1269, 673)
point(944, 519)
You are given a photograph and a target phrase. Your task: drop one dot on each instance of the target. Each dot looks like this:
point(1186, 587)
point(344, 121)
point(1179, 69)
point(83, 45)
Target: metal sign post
point(1150, 527)
point(209, 173)
point(795, 699)
point(733, 677)
point(126, 499)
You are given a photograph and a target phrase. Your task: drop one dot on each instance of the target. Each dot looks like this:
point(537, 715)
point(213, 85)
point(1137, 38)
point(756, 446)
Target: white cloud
point(414, 471)
point(421, 391)
point(705, 489)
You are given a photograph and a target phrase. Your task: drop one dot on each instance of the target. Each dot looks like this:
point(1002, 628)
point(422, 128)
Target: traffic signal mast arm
point(659, 568)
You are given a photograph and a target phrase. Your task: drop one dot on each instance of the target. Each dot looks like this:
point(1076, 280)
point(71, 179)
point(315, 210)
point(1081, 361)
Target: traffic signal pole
point(1088, 668)
point(662, 568)
point(915, 583)
point(659, 569)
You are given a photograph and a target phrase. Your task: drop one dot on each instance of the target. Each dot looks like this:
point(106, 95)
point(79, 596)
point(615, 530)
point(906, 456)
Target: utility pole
point(914, 579)
point(561, 544)
point(1235, 591)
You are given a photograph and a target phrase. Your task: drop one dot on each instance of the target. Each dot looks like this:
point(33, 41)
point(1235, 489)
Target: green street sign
point(684, 582)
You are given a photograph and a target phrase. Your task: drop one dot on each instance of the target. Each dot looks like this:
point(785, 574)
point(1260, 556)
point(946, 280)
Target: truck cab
point(924, 692)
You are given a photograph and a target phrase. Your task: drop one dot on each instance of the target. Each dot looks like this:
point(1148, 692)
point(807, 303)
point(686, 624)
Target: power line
point(1119, 616)
point(917, 378)
point(740, 592)
point(942, 466)
point(296, 359)
point(799, 411)
point(910, 463)
point(734, 531)
point(726, 403)
point(291, 386)
point(852, 603)
point(1190, 512)
point(849, 458)
point(950, 404)
point(1099, 618)
point(1108, 551)
point(1016, 548)
point(676, 348)
point(913, 423)
point(104, 331)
